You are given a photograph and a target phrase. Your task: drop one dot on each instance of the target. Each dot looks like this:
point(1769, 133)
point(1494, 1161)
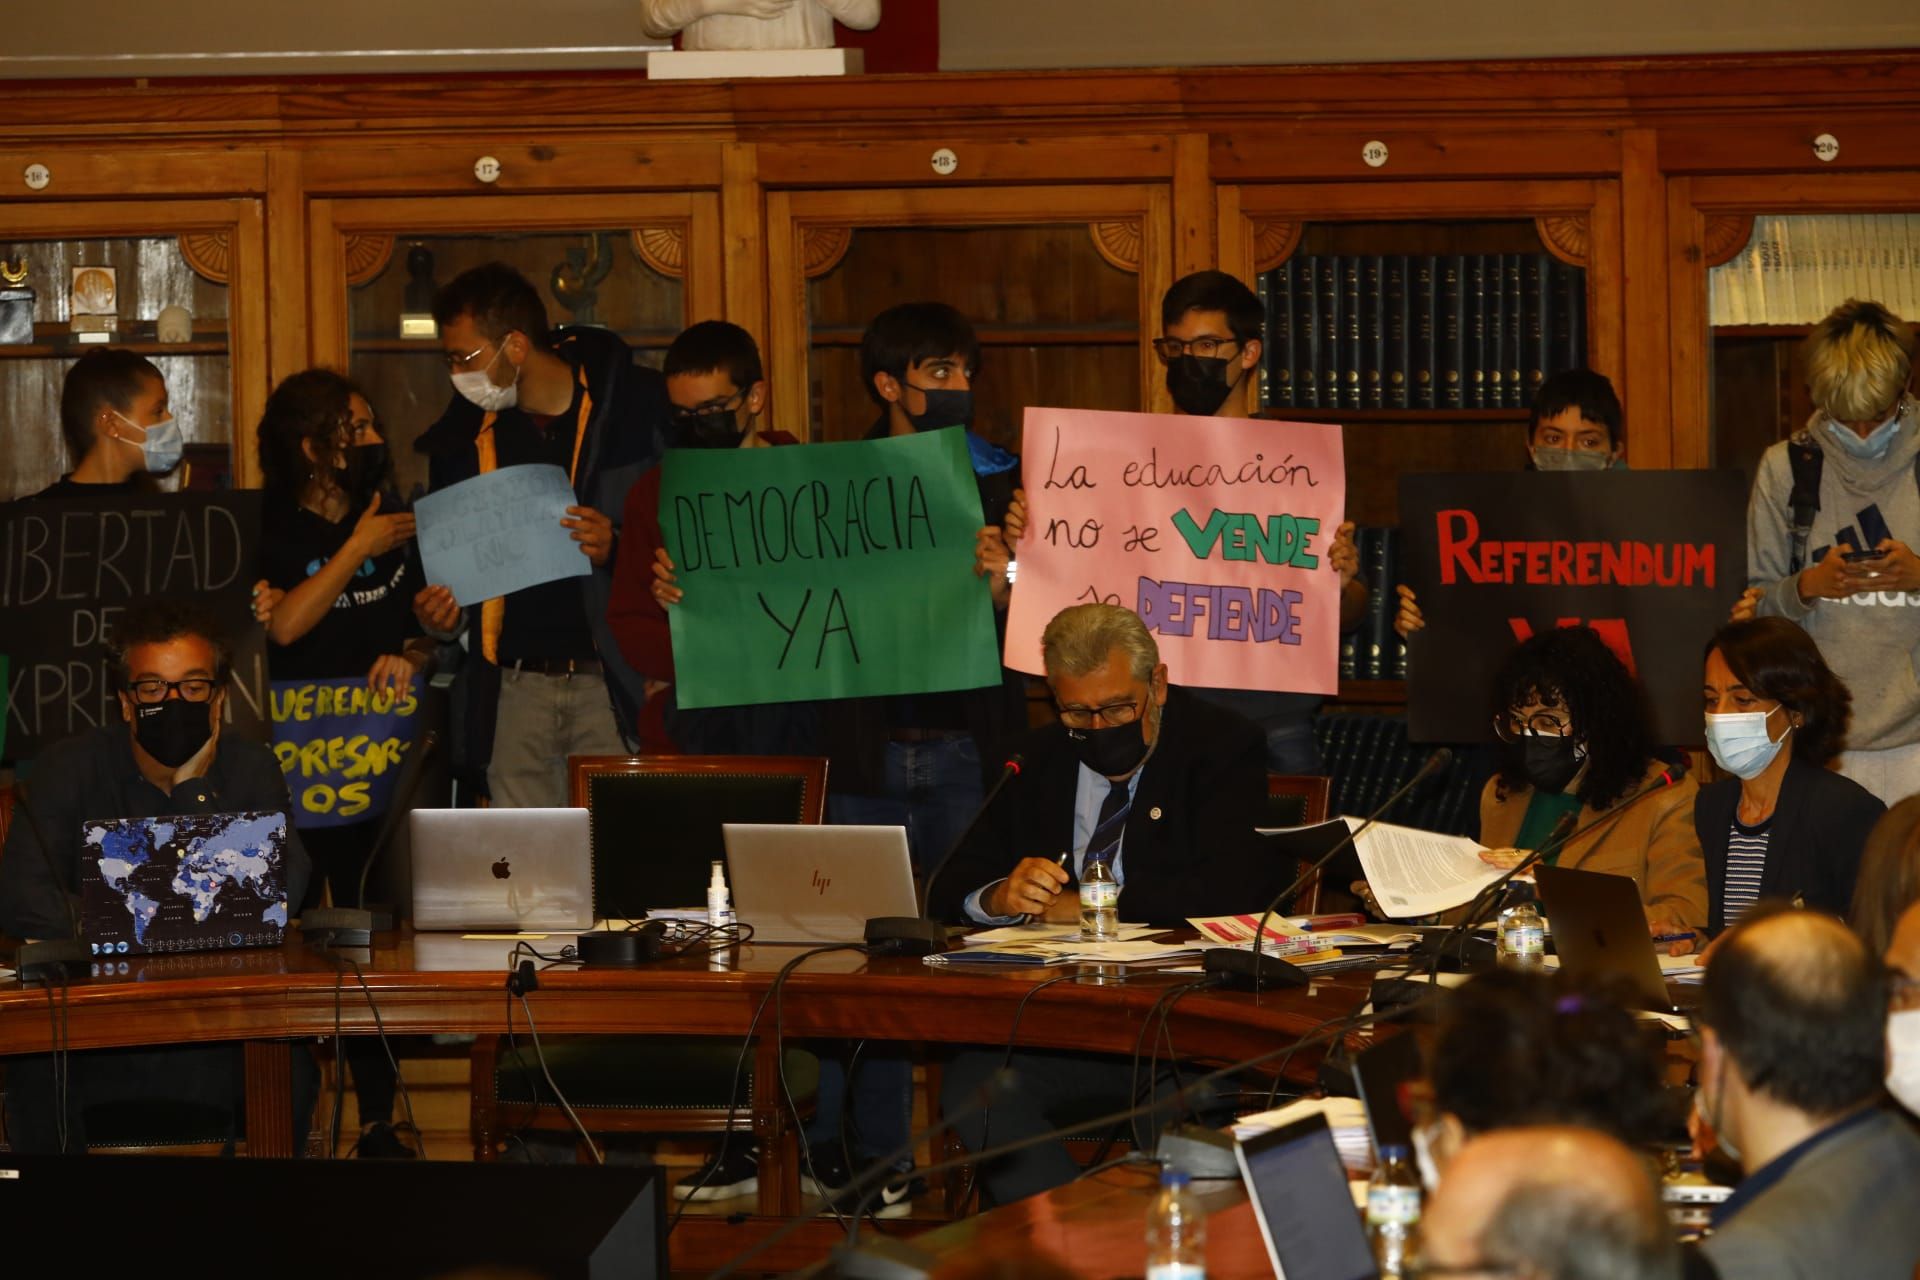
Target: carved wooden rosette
point(663, 248)
point(1274, 240)
point(366, 255)
point(1118, 241)
point(209, 254)
point(1727, 234)
point(822, 247)
point(1566, 236)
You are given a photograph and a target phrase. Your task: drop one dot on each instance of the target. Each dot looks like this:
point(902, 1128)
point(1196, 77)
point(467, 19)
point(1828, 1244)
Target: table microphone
point(922, 935)
point(355, 926)
point(1250, 970)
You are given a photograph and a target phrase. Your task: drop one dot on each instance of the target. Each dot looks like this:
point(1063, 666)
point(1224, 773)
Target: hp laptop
point(817, 884)
point(192, 882)
point(514, 870)
point(1600, 930)
point(1299, 1191)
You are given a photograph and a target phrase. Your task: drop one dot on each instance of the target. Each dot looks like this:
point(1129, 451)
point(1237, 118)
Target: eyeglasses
point(193, 689)
point(1113, 714)
point(1171, 349)
point(466, 361)
point(1903, 992)
point(1541, 724)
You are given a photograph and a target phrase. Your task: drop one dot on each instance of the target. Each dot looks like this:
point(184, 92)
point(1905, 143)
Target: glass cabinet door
point(165, 295)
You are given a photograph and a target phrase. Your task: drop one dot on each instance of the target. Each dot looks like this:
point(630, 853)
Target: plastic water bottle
point(1176, 1231)
point(1522, 937)
point(719, 900)
point(1099, 902)
point(1393, 1210)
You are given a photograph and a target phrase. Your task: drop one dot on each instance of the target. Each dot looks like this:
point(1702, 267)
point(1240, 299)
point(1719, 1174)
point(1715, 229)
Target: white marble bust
point(755, 24)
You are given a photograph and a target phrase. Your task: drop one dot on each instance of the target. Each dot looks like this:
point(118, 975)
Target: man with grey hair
point(1164, 789)
point(1552, 1202)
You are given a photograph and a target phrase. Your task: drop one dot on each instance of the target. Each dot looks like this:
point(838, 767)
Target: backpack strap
point(1804, 502)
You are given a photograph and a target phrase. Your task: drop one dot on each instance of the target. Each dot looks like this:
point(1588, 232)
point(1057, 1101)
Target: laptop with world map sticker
point(186, 882)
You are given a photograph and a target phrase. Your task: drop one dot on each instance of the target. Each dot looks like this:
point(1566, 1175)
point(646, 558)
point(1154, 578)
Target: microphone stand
point(355, 926)
point(922, 935)
point(54, 957)
point(1250, 970)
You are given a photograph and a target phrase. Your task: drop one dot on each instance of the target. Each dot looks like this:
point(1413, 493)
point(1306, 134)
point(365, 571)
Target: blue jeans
point(933, 789)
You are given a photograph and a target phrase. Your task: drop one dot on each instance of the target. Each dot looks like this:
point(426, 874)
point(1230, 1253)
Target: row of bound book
point(1373, 650)
point(1412, 331)
point(1367, 758)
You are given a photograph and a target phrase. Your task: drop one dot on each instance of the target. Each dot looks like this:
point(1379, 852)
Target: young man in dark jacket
point(545, 679)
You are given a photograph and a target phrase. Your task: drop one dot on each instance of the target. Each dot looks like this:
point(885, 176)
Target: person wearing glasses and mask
point(1831, 530)
point(1163, 787)
point(545, 679)
point(167, 755)
point(117, 425)
point(1782, 824)
point(1210, 327)
point(1574, 747)
point(718, 389)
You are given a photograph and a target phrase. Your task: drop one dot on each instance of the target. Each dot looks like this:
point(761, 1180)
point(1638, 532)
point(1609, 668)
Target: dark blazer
point(1189, 848)
point(1820, 826)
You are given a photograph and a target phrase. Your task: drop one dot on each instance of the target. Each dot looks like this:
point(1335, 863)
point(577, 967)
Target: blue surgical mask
point(1740, 743)
point(161, 444)
point(1873, 445)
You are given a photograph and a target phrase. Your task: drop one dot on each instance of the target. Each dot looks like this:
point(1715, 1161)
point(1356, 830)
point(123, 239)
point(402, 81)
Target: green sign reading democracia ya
point(826, 571)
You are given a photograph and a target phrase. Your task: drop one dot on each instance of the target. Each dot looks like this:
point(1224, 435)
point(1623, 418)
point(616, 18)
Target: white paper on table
point(1420, 873)
point(1022, 933)
point(1118, 952)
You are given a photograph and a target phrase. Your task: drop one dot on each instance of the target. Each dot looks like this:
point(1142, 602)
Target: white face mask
point(1741, 744)
point(477, 386)
point(1903, 1058)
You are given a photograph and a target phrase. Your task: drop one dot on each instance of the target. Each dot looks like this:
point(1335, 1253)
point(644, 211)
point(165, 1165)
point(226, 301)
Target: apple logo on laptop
point(500, 871)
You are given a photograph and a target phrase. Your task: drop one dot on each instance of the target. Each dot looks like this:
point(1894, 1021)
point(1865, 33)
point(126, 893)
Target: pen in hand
point(1061, 862)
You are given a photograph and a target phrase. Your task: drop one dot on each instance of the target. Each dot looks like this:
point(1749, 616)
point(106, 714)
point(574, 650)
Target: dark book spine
point(1536, 285)
point(1477, 378)
point(1328, 270)
point(1371, 661)
point(1451, 321)
point(1337, 755)
point(1566, 336)
point(1423, 371)
point(1349, 647)
point(1306, 333)
point(1510, 342)
point(1373, 333)
point(1350, 372)
point(1276, 297)
point(1395, 361)
point(1576, 318)
point(1496, 326)
point(1396, 643)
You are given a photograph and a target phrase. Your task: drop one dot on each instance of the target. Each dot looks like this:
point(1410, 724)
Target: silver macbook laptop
point(817, 884)
point(1600, 930)
point(510, 869)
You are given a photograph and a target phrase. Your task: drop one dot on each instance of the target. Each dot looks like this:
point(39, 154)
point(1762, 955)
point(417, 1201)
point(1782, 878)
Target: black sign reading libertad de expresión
point(70, 566)
point(1651, 560)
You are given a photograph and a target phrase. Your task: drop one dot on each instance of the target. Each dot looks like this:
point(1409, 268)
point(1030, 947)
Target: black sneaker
point(894, 1200)
point(383, 1142)
point(730, 1173)
point(826, 1175)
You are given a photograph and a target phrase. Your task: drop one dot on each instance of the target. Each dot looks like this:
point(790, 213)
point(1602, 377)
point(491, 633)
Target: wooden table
point(439, 983)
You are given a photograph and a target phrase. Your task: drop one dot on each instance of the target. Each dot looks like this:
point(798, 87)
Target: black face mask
point(1198, 384)
point(716, 428)
point(173, 730)
point(1549, 762)
point(944, 409)
point(363, 470)
point(1111, 752)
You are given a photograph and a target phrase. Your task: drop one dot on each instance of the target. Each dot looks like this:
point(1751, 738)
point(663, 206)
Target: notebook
point(524, 870)
point(190, 882)
point(797, 883)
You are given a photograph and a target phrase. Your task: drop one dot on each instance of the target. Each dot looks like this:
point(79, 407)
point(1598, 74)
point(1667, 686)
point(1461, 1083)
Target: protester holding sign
point(1782, 824)
point(545, 679)
point(1575, 426)
point(1576, 746)
point(1831, 530)
point(719, 394)
point(1210, 343)
point(117, 425)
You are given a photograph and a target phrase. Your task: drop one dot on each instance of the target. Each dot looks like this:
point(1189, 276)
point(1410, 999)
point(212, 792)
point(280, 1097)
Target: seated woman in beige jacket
point(1574, 740)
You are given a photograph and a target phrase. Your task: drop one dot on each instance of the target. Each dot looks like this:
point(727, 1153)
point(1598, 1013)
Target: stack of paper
point(1061, 944)
point(1346, 1117)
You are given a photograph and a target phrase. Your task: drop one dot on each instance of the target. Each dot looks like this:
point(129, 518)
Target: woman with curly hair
point(1574, 748)
point(1784, 825)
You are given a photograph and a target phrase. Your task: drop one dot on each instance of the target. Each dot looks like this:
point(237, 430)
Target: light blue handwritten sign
point(500, 532)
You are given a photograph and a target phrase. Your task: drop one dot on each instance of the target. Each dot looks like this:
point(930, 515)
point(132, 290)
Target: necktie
point(1105, 841)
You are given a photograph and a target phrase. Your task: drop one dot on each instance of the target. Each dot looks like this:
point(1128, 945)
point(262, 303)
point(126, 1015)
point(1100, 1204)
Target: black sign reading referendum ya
point(70, 566)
